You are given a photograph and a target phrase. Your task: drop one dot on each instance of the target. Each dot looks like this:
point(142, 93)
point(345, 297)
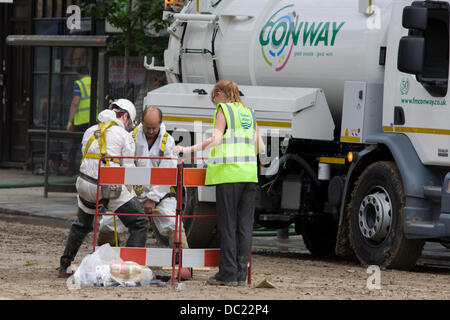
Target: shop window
point(39, 9)
point(50, 19)
point(64, 64)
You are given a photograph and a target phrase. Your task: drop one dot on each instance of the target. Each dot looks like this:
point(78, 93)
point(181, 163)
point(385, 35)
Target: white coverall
point(118, 142)
point(166, 206)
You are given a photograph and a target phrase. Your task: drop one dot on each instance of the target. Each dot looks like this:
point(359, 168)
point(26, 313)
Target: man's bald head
point(151, 121)
point(151, 113)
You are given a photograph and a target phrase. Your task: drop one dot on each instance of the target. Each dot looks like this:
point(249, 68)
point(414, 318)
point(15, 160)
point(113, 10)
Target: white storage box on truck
point(351, 97)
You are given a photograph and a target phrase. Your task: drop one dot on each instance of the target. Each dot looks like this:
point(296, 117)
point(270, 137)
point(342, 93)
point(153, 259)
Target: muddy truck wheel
point(319, 235)
point(376, 219)
point(200, 232)
point(186, 221)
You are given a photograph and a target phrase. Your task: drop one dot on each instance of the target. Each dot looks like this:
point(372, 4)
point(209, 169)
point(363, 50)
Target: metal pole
point(101, 79)
point(47, 132)
point(97, 201)
point(94, 79)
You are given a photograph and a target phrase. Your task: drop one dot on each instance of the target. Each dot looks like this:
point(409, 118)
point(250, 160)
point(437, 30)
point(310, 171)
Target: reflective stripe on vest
point(234, 160)
point(82, 113)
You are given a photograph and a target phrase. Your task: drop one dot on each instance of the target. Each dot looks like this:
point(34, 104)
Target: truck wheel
point(376, 219)
point(319, 236)
point(188, 206)
point(200, 232)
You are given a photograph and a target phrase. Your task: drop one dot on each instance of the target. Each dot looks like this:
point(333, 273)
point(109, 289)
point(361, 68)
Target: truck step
point(274, 217)
point(432, 192)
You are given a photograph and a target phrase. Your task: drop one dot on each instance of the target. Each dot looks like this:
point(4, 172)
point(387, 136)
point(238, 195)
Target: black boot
point(78, 231)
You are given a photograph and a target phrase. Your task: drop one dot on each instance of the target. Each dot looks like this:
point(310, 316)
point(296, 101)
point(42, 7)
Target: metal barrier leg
point(115, 231)
point(179, 212)
point(96, 219)
point(250, 270)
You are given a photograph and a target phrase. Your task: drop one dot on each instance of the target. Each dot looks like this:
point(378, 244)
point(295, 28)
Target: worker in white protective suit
point(152, 140)
point(108, 138)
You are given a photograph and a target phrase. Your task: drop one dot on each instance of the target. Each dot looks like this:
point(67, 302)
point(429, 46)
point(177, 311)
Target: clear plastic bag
point(94, 268)
point(104, 267)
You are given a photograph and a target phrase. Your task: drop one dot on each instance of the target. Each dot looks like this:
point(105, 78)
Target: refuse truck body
point(350, 97)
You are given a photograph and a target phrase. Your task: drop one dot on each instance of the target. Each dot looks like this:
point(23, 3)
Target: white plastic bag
point(94, 268)
point(104, 267)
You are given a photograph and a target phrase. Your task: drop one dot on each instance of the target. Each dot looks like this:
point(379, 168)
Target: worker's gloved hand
point(149, 205)
point(180, 149)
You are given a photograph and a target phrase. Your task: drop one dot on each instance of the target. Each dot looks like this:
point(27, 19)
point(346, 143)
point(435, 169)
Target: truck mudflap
point(437, 200)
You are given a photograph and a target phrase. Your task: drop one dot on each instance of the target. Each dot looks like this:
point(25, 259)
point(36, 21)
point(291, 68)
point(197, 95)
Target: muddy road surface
point(30, 249)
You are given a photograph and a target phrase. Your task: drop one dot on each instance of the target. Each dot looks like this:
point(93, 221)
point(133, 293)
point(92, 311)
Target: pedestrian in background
point(79, 115)
point(232, 168)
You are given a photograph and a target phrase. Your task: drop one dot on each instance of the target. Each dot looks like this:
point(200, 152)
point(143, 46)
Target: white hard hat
point(126, 105)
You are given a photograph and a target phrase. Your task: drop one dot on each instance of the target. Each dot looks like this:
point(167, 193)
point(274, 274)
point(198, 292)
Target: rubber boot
point(78, 231)
point(107, 237)
point(184, 242)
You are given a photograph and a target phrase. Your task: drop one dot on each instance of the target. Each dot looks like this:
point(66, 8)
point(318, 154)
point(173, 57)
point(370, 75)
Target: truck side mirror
point(411, 54)
point(415, 18)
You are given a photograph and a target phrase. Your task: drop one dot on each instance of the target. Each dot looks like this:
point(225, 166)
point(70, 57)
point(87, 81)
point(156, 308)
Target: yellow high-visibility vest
point(82, 113)
point(234, 160)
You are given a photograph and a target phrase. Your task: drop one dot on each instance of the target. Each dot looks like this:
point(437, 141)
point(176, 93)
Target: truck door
point(416, 79)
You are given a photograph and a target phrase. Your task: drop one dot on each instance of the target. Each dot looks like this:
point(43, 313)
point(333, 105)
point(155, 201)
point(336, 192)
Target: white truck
point(351, 99)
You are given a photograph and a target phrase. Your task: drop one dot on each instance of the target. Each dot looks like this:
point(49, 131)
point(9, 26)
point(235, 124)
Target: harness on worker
point(108, 191)
point(100, 135)
point(139, 188)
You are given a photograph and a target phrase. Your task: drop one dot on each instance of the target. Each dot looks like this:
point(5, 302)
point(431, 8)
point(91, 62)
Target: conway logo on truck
point(283, 31)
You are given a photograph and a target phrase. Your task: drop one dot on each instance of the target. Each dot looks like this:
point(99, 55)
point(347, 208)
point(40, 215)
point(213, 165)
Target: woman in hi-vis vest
point(232, 168)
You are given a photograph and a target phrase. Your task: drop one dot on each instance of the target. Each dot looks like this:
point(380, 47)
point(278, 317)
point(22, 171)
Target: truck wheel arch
point(384, 146)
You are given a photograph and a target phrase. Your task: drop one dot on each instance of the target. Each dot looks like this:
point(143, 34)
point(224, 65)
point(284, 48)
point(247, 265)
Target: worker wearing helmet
point(152, 140)
point(108, 137)
point(232, 168)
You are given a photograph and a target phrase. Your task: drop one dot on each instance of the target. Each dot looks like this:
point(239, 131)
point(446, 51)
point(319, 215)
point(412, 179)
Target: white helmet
point(126, 105)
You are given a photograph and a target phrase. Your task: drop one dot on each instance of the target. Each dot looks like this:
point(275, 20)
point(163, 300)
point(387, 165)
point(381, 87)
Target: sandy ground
point(29, 257)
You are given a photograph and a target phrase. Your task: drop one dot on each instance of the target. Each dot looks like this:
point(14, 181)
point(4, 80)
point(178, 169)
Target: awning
point(57, 41)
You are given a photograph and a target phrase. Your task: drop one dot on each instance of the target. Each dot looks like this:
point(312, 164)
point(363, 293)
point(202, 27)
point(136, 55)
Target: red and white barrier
point(155, 257)
point(162, 257)
point(180, 177)
point(198, 258)
point(138, 176)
